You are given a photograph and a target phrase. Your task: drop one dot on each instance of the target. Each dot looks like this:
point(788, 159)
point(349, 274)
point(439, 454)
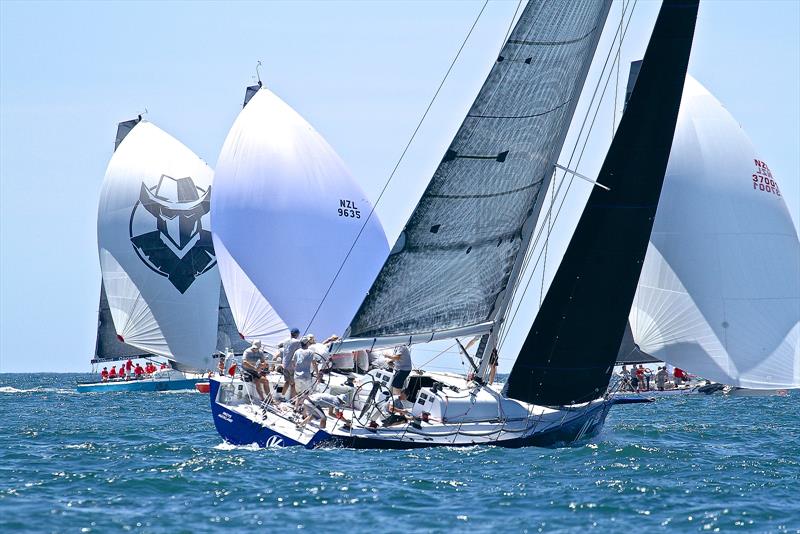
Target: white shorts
point(302, 384)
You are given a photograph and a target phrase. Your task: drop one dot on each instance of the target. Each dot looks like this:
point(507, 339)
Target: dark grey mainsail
point(108, 346)
point(454, 259)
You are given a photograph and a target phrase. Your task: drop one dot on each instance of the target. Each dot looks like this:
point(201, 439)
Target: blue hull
point(139, 385)
point(238, 430)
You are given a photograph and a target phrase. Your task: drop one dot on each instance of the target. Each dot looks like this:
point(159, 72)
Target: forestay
point(453, 261)
point(285, 213)
point(158, 265)
point(719, 293)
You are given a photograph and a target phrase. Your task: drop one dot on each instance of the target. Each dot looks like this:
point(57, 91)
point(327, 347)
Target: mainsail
point(158, 265)
point(570, 351)
point(453, 261)
point(285, 213)
point(719, 293)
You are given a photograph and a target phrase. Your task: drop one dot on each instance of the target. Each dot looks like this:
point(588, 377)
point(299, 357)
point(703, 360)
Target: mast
point(569, 353)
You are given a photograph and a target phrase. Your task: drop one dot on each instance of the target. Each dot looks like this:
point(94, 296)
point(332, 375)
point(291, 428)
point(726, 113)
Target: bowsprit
point(176, 245)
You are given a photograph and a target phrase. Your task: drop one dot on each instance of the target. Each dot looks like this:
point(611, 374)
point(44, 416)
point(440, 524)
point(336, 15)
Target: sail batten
point(569, 353)
point(460, 247)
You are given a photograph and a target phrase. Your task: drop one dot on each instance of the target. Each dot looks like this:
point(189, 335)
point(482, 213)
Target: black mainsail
point(456, 255)
point(570, 351)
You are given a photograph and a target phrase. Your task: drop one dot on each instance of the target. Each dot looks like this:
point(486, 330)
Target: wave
point(11, 389)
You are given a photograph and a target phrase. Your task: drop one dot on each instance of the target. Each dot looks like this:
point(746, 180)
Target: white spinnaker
point(154, 307)
point(285, 213)
point(719, 293)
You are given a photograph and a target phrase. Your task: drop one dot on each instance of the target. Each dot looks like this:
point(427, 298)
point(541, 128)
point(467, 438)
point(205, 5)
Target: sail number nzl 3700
point(348, 208)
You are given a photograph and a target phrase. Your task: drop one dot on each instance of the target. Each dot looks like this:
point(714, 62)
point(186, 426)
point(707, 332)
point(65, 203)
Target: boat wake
point(225, 446)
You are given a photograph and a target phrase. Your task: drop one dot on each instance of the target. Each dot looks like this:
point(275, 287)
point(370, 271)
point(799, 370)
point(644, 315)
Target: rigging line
point(531, 249)
point(439, 354)
point(504, 329)
point(396, 166)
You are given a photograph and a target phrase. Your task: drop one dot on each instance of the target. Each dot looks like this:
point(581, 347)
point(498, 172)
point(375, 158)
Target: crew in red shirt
point(104, 374)
point(138, 371)
point(122, 372)
point(129, 366)
point(113, 372)
point(163, 365)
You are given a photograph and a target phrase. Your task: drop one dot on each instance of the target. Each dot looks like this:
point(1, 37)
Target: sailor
point(254, 365)
point(104, 374)
point(648, 376)
point(290, 346)
point(661, 378)
point(640, 377)
point(163, 365)
point(315, 403)
point(138, 371)
point(493, 360)
point(362, 361)
point(121, 373)
point(221, 365)
point(304, 361)
point(129, 366)
point(678, 376)
point(112, 374)
point(402, 368)
point(625, 378)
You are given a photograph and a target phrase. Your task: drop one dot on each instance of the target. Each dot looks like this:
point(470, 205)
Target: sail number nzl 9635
point(348, 208)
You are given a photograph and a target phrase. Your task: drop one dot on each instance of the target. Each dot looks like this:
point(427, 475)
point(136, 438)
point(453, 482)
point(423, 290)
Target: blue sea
point(153, 462)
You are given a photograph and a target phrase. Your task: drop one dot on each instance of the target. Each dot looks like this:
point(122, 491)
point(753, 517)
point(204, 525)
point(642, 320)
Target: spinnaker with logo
point(719, 294)
point(160, 284)
point(451, 272)
point(285, 213)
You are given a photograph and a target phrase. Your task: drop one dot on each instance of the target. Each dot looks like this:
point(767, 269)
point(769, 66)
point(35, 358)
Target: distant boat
point(719, 294)
point(452, 271)
point(160, 295)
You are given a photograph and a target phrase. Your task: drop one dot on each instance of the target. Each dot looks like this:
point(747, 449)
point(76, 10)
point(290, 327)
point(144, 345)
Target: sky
point(362, 73)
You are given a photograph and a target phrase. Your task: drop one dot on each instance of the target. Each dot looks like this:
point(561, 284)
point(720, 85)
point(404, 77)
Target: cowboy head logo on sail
point(176, 245)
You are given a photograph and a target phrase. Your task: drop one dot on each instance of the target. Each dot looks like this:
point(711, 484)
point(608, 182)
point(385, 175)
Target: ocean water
point(153, 462)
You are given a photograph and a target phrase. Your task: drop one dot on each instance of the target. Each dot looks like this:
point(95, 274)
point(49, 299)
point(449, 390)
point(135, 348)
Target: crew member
point(304, 361)
point(112, 374)
point(315, 403)
point(661, 378)
point(121, 372)
point(493, 359)
point(104, 374)
point(129, 366)
point(254, 365)
point(402, 368)
point(138, 371)
point(290, 346)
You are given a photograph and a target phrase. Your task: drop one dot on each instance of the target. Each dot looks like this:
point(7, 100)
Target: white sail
point(719, 293)
point(155, 248)
point(285, 213)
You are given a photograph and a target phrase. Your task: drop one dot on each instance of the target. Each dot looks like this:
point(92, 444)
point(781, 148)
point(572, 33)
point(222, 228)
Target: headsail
point(158, 265)
point(719, 293)
point(455, 257)
point(285, 213)
point(570, 351)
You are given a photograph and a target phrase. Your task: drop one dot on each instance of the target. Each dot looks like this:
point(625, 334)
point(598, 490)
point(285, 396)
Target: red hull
point(203, 387)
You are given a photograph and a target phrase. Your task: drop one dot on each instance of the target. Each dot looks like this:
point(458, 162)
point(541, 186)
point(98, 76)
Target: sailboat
point(719, 294)
point(452, 271)
point(160, 292)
